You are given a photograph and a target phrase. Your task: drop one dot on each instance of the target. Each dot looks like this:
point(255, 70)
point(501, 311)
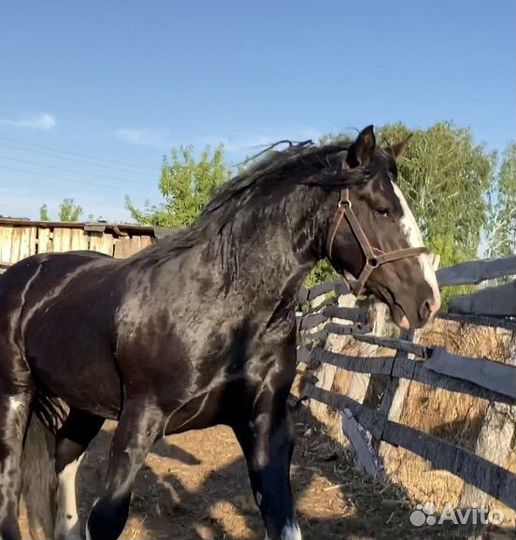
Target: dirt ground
point(194, 485)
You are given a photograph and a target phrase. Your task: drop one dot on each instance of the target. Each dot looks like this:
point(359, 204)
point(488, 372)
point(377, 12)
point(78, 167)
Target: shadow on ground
point(194, 485)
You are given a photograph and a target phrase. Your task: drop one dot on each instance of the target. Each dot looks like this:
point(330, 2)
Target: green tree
point(501, 208)
point(186, 185)
point(43, 213)
point(445, 176)
point(69, 211)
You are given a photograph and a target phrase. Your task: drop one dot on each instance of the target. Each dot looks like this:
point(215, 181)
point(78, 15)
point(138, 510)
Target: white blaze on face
point(413, 234)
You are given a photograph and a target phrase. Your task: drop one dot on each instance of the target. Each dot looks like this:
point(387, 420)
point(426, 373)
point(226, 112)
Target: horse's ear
point(362, 150)
point(397, 150)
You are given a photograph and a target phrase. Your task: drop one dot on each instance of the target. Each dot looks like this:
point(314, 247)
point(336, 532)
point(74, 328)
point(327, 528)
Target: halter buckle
point(344, 203)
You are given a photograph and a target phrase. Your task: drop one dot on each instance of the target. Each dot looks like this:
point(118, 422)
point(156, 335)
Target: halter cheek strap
point(374, 257)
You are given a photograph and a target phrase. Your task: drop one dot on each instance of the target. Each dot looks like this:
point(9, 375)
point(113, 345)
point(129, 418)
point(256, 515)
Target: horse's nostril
point(425, 310)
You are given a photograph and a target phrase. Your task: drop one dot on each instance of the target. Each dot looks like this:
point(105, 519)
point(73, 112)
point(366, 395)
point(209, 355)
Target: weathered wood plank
point(303, 355)
point(494, 376)
point(325, 374)
point(310, 321)
point(479, 320)
point(339, 286)
point(487, 476)
point(44, 241)
point(492, 301)
point(475, 272)
point(360, 364)
point(332, 300)
point(340, 329)
point(412, 370)
point(359, 439)
point(79, 240)
point(101, 242)
point(392, 343)
point(396, 390)
point(123, 248)
point(27, 242)
point(62, 239)
point(359, 382)
point(15, 245)
point(146, 241)
point(494, 443)
point(402, 367)
point(127, 246)
point(350, 314)
point(6, 234)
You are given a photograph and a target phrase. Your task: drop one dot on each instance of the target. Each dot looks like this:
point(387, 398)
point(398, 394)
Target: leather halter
point(374, 257)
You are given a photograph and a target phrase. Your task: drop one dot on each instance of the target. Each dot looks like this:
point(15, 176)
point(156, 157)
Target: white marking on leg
point(414, 238)
point(67, 519)
point(291, 531)
point(87, 532)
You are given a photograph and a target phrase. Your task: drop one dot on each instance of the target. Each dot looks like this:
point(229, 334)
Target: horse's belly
point(75, 363)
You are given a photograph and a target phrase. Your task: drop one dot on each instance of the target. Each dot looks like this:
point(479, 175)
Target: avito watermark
point(425, 514)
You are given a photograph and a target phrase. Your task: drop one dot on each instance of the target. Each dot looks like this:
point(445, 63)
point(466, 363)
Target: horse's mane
point(299, 163)
point(295, 162)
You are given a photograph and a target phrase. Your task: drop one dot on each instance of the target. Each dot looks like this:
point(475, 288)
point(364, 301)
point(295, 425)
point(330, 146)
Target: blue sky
point(93, 94)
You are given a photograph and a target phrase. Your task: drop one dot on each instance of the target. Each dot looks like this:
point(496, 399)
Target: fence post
point(325, 374)
point(493, 442)
point(397, 389)
point(360, 381)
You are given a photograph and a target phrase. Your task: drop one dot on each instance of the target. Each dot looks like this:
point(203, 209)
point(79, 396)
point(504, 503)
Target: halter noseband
point(374, 257)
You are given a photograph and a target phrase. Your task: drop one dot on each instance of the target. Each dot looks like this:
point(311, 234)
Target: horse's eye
point(382, 212)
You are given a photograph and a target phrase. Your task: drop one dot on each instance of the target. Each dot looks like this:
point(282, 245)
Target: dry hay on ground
point(454, 417)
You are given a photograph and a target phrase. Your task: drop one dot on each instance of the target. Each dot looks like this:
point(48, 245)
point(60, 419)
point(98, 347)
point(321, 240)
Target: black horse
point(199, 329)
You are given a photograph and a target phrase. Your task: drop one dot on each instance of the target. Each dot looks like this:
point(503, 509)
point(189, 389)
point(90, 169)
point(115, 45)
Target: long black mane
point(278, 171)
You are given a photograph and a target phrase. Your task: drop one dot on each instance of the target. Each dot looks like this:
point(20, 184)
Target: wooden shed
point(20, 238)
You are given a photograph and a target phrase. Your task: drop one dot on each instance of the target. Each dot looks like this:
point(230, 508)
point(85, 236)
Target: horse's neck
point(282, 251)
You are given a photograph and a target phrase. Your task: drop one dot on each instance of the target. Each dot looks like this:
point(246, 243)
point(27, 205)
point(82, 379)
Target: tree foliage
point(186, 185)
point(444, 175)
point(68, 211)
point(501, 208)
point(43, 213)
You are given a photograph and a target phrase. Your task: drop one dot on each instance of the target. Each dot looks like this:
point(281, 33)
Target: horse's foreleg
point(14, 413)
point(73, 438)
point(267, 442)
point(141, 423)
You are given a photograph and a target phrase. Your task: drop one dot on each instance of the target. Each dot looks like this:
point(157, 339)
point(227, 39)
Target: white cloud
point(144, 137)
point(43, 121)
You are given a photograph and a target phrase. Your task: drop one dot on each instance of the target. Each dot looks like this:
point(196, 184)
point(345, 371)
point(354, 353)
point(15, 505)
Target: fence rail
point(474, 272)
point(489, 477)
point(431, 365)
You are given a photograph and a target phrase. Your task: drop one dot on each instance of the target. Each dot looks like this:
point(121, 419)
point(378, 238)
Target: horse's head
point(375, 237)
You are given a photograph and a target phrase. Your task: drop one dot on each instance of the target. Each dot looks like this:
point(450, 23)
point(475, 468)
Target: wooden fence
point(21, 238)
point(365, 427)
